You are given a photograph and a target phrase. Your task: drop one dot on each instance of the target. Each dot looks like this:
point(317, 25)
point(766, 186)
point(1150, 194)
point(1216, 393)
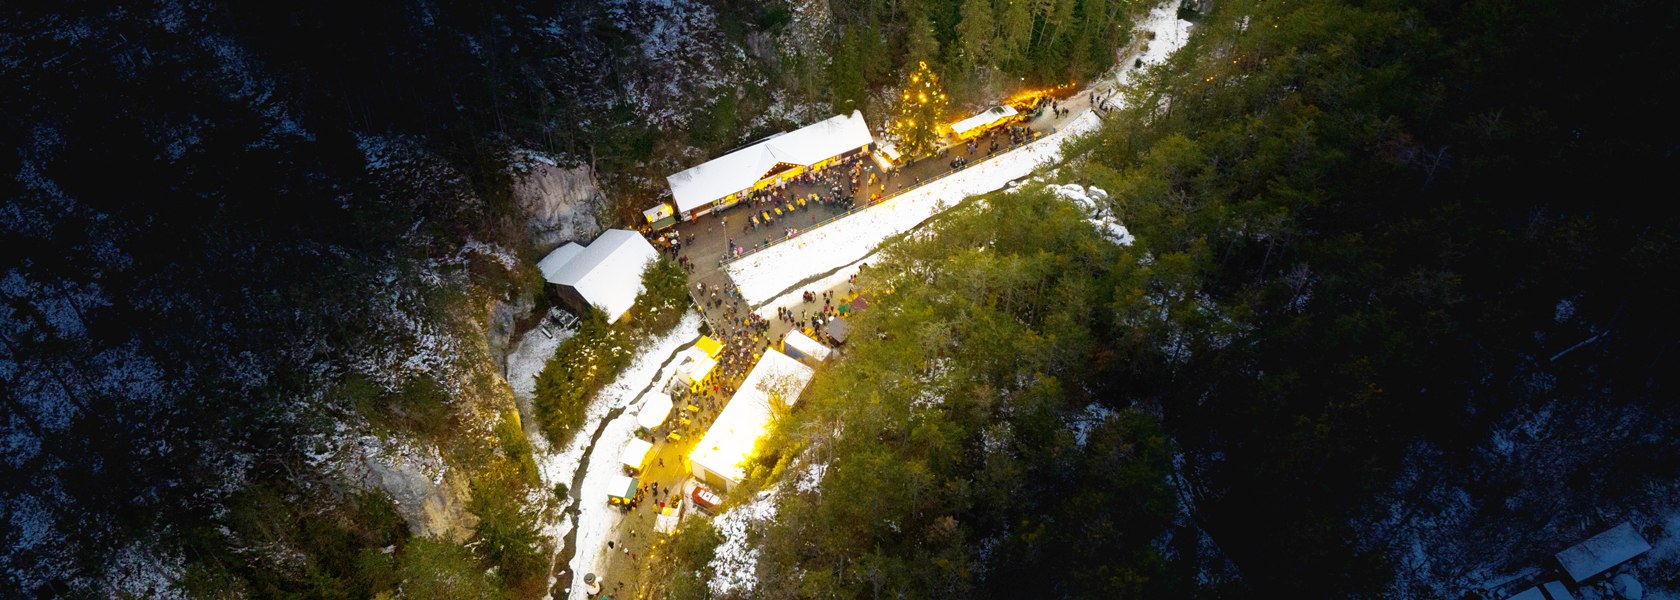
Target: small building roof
point(986, 117)
point(838, 329)
point(732, 437)
point(607, 273)
point(1532, 593)
point(1602, 551)
point(739, 170)
point(797, 342)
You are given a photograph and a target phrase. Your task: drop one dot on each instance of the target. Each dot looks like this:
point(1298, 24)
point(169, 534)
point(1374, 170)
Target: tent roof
point(655, 410)
point(806, 346)
point(731, 438)
point(1602, 551)
point(987, 117)
point(636, 453)
point(607, 273)
point(558, 259)
point(708, 345)
point(694, 363)
point(838, 329)
point(622, 486)
point(739, 170)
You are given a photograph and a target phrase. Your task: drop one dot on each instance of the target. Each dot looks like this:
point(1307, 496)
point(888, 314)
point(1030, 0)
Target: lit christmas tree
point(921, 113)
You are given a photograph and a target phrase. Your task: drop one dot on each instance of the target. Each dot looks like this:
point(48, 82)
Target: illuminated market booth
point(983, 122)
point(719, 458)
point(724, 181)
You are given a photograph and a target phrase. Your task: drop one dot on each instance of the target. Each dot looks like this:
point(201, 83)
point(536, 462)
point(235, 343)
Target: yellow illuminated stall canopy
point(710, 346)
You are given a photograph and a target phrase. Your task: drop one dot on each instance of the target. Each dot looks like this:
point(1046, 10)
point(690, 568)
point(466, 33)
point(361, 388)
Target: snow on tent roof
point(1602, 551)
point(636, 453)
point(550, 265)
point(695, 364)
point(804, 345)
point(730, 440)
point(655, 411)
point(607, 273)
point(989, 116)
point(740, 169)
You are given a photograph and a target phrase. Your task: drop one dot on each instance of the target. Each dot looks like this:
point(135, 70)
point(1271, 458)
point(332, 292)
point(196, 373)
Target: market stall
point(654, 411)
point(635, 455)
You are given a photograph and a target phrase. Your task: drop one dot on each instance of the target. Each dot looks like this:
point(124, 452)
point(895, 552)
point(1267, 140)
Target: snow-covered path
point(838, 246)
point(585, 516)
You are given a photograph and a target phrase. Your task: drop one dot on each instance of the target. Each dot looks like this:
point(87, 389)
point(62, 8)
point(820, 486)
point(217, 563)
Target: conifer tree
point(921, 112)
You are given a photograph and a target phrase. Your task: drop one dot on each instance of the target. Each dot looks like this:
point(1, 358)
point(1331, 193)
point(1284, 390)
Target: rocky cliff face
point(562, 203)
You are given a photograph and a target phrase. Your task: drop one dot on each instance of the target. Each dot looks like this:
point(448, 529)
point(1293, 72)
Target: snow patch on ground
point(736, 561)
point(809, 479)
point(530, 356)
point(1094, 201)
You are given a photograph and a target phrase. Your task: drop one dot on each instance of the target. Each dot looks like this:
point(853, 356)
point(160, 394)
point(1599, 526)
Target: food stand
point(635, 455)
point(622, 490)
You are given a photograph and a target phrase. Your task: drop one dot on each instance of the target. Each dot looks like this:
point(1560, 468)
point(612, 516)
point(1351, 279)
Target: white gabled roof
point(732, 436)
point(989, 116)
point(607, 273)
point(1602, 551)
point(742, 168)
point(558, 259)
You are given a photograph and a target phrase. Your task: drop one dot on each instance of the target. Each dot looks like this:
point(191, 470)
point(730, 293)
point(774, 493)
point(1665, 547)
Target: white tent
point(718, 458)
point(666, 520)
point(716, 179)
point(655, 411)
point(799, 345)
point(552, 264)
point(694, 363)
point(636, 453)
point(989, 116)
point(606, 273)
point(1602, 551)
